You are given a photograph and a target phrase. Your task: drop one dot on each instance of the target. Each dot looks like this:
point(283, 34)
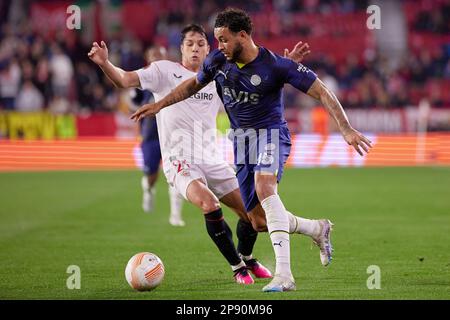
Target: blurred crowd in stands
point(41, 74)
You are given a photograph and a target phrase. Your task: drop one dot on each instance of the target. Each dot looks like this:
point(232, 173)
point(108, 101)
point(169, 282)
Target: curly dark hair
point(235, 20)
point(194, 28)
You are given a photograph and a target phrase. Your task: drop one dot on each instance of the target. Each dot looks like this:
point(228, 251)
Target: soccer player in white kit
point(194, 166)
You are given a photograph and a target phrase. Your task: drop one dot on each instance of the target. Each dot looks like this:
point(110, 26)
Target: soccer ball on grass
point(144, 271)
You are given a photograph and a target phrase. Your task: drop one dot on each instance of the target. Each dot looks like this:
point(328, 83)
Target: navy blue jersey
point(252, 95)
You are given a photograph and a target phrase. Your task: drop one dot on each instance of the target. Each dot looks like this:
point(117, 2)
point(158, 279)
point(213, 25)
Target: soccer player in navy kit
point(151, 151)
point(206, 185)
point(249, 80)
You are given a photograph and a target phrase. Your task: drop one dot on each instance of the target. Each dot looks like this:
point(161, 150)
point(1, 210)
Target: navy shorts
point(151, 152)
point(260, 150)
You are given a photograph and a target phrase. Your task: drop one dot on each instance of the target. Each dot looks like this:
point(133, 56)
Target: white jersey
point(187, 130)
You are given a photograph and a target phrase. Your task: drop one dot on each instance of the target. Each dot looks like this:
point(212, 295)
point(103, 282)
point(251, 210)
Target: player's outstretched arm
point(120, 78)
point(319, 91)
point(183, 91)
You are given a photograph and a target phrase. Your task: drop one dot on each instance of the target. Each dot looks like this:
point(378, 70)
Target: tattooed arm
point(319, 91)
point(183, 91)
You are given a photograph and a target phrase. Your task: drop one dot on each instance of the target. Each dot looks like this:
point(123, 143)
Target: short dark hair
point(194, 28)
point(234, 19)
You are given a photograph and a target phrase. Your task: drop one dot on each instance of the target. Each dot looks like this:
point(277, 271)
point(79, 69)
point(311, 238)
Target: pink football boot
point(258, 269)
point(242, 276)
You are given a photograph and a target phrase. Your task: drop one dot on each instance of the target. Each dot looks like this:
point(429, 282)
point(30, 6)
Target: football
point(144, 271)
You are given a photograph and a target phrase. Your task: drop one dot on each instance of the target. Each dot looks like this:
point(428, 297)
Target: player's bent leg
point(223, 183)
point(200, 196)
point(234, 201)
point(246, 235)
point(219, 231)
point(257, 218)
point(318, 230)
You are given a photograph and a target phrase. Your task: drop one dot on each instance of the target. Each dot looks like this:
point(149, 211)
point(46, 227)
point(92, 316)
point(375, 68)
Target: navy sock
point(246, 237)
point(221, 234)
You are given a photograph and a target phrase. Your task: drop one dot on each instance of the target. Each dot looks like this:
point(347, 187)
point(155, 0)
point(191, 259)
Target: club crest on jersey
point(255, 80)
point(181, 166)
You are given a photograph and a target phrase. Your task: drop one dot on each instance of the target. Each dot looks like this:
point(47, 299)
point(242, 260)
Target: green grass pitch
point(395, 218)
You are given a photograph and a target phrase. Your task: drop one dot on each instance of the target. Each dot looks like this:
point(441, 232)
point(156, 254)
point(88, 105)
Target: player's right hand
point(98, 54)
point(355, 139)
point(147, 110)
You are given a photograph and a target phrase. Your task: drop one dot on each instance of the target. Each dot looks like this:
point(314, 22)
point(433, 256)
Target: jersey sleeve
point(210, 66)
point(296, 74)
point(151, 78)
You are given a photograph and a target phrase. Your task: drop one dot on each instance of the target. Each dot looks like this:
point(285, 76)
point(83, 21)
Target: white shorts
point(220, 178)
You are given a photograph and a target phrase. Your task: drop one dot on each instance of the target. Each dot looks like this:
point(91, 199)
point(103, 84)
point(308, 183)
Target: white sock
point(238, 266)
point(146, 186)
point(144, 183)
point(303, 226)
point(246, 258)
point(278, 226)
point(176, 203)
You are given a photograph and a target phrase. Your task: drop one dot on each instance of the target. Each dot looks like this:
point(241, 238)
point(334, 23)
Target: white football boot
point(323, 241)
point(280, 284)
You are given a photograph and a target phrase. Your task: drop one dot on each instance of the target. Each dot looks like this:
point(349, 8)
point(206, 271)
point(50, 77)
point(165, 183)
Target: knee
point(259, 225)
point(209, 205)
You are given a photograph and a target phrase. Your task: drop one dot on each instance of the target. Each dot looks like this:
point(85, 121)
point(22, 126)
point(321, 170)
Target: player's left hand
point(147, 110)
point(300, 51)
point(357, 140)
